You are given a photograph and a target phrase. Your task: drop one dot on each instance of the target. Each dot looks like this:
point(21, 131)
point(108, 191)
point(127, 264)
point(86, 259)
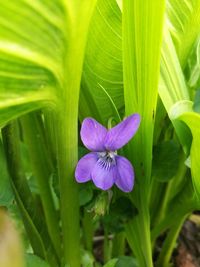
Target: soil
point(187, 253)
point(188, 250)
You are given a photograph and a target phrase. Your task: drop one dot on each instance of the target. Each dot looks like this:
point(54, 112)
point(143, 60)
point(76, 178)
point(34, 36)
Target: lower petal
point(125, 179)
point(84, 167)
point(104, 178)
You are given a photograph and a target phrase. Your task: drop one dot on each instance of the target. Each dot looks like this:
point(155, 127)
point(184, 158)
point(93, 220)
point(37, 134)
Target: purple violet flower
point(103, 166)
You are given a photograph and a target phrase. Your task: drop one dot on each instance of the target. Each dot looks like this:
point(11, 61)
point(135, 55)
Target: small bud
point(102, 203)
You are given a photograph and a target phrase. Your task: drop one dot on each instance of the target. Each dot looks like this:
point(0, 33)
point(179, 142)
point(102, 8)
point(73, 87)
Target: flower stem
point(118, 245)
point(169, 244)
point(106, 247)
point(88, 229)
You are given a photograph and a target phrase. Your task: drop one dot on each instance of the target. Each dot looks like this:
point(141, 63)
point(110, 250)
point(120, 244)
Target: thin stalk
point(163, 204)
point(88, 229)
point(169, 244)
point(42, 170)
point(118, 248)
point(106, 247)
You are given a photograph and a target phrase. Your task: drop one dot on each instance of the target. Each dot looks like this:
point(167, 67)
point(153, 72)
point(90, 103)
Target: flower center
point(107, 159)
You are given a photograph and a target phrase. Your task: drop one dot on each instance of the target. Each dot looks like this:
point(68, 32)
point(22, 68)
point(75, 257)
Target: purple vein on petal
point(104, 177)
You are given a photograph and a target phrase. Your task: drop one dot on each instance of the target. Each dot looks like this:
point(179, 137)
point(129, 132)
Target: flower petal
point(84, 167)
point(102, 177)
point(119, 135)
point(125, 179)
point(93, 134)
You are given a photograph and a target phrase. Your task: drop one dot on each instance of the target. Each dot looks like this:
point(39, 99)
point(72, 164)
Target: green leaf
point(141, 69)
point(193, 67)
point(87, 259)
point(34, 261)
point(121, 262)
point(120, 211)
point(31, 49)
point(183, 111)
point(196, 105)
point(103, 64)
point(6, 194)
point(126, 261)
point(184, 25)
point(141, 73)
point(85, 194)
point(111, 263)
point(193, 122)
point(172, 87)
point(165, 160)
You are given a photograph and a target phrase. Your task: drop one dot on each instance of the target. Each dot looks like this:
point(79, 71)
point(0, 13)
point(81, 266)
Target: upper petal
point(84, 167)
point(119, 135)
point(93, 134)
point(125, 179)
point(103, 177)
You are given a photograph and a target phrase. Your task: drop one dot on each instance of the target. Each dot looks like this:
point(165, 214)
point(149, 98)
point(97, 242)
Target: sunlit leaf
point(103, 63)
point(184, 25)
point(183, 111)
point(31, 50)
point(193, 67)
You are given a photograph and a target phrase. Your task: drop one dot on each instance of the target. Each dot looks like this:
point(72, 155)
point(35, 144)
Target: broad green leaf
point(141, 66)
point(172, 87)
point(183, 111)
point(35, 261)
point(31, 50)
point(184, 24)
point(85, 194)
point(165, 160)
point(103, 63)
point(142, 39)
point(45, 43)
point(79, 13)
